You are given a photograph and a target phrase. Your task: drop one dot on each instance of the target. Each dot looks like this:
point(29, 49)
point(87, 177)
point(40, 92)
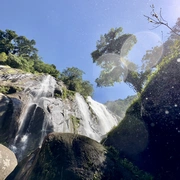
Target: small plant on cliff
point(67, 94)
point(9, 89)
point(76, 122)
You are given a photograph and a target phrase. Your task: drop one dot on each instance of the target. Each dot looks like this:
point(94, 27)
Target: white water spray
point(35, 94)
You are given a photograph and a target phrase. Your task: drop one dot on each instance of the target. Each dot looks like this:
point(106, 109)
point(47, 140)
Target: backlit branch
point(158, 20)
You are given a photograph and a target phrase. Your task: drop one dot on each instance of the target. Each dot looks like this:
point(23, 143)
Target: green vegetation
point(107, 47)
point(72, 77)
point(67, 94)
point(115, 68)
point(108, 56)
point(10, 89)
point(151, 121)
point(20, 52)
point(3, 57)
point(76, 122)
point(139, 174)
point(170, 53)
point(120, 106)
point(127, 168)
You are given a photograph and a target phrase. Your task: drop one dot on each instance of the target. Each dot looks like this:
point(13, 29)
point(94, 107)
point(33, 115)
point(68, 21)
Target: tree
point(40, 66)
point(19, 52)
point(11, 43)
point(7, 41)
point(152, 57)
point(110, 54)
point(169, 45)
point(24, 47)
point(72, 77)
point(136, 80)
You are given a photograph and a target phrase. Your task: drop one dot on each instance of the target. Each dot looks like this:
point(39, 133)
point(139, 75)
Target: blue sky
point(66, 31)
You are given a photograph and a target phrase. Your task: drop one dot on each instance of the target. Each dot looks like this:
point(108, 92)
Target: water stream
point(35, 94)
point(43, 113)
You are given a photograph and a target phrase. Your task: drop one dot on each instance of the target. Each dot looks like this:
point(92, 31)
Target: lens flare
point(146, 53)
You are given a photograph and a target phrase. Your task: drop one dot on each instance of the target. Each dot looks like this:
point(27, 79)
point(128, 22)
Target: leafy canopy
point(72, 77)
point(20, 52)
point(110, 55)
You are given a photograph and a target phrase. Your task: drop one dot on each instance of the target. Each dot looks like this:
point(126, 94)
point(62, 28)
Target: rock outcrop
point(35, 105)
point(69, 156)
point(149, 135)
point(8, 162)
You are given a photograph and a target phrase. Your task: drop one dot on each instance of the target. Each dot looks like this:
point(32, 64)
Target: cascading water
point(105, 119)
point(94, 127)
point(35, 94)
point(43, 113)
point(86, 128)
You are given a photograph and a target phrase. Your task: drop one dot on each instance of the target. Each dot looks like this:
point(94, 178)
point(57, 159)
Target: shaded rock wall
point(149, 134)
point(68, 156)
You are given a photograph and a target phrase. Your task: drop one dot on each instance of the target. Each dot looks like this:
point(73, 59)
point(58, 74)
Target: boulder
point(71, 156)
point(8, 162)
point(149, 135)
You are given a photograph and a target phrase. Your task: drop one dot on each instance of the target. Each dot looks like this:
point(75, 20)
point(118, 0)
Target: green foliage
point(3, 57)
point(7, 41)
point(72, 77)
point(139, 174)
point(19, 52)
point(106, 56)
point(111, 42)
point(127, 168)
point(136, 79)
point(11, 43)
point(41, 67)
point(170, 51)
point(24, 47)
point(67, 94)
point(150, 60)
point(76, 122)
point(114, 68)
point(168, 57)
point(10, 89)
point(4, 89)
point(17, 62)
point(120, 106)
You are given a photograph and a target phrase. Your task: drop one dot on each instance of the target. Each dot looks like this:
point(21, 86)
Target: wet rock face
point(4, 101)
point(6, 126)
point(161, 114)
point(40, 105)
point(158, 114)
point(8, 162)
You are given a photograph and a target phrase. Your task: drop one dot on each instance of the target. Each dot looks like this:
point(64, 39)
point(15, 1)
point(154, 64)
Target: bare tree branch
point(158, 20)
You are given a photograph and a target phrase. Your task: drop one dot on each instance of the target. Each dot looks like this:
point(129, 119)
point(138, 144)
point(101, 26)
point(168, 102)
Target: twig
point(158, 20)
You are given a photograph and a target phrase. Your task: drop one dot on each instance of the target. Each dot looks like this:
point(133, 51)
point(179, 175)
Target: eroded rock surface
point(70, 156)
point(8, 162)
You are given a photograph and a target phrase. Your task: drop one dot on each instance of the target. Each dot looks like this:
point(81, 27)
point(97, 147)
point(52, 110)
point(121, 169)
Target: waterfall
point(94, 127)
point(106, 120)
point(43, 113)
point(35, 94)
point(86, 127)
